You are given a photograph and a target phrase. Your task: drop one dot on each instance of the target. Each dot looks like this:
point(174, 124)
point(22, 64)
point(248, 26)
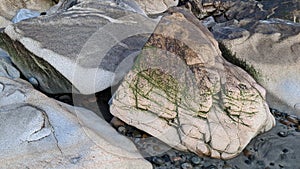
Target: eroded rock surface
point(183, 92)
point(95, 40)
point(39, 132)
point(271, 47)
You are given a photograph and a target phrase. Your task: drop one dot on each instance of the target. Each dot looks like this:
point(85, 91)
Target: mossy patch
point(227, 54)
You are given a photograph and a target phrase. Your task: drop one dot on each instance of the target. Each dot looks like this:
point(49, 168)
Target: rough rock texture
point(95, 40)
point(183, 92)
point(155, 7)
point(38, 132)
point(224, 10)
point(271, 47)
point(8, 8)
point(6, 67)
point(283, 9)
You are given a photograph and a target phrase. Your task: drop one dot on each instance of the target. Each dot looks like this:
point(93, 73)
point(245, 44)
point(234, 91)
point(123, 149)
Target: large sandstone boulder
point(39, 132)
point(8, 8)
point(183, 92)
point(95, 40)
point(271, 47)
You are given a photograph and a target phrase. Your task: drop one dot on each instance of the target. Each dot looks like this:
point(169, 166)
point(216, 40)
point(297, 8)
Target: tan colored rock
point(158, 6)
point(183, 92)
point(39, 132)
point(8, 8)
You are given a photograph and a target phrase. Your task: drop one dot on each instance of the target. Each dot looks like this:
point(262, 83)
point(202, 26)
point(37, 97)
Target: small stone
point(176, 159)
point(186, 166)
point(122, 129)
point(286, 122)
point(196, 160)
point(33, 81)
point(282, 134)
point(292, 119)
point(247, 153)
point(158, 160)
point(116, 122)
point(211, 167)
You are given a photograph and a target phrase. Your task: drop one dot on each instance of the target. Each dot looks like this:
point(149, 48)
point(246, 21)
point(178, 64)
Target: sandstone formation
point(183, 92)
point(271, 47)
point(39, 132)
point(95, 40)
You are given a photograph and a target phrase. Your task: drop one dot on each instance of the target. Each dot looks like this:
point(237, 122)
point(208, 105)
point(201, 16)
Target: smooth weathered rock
point(39, 132)
point(271, 47)
point(93, 49)
point(183, 92)
point(158, 6)
point(9, 8)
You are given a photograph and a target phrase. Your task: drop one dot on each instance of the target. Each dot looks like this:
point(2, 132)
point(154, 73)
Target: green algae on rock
point(183, 92)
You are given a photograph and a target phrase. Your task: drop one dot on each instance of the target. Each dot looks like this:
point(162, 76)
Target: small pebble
point(116, 122)
point(286, 122)
point(247, 152)
point(292, 119)
point(211, 167)
point(186, 166)
point(282, 134)
point(196, 160)
point(122, 129)
point(158, 160)
point(176, 158)
point(33, 81)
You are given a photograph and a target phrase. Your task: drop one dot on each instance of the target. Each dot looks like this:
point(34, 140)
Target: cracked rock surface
point(183, 92)
point(39, 132)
